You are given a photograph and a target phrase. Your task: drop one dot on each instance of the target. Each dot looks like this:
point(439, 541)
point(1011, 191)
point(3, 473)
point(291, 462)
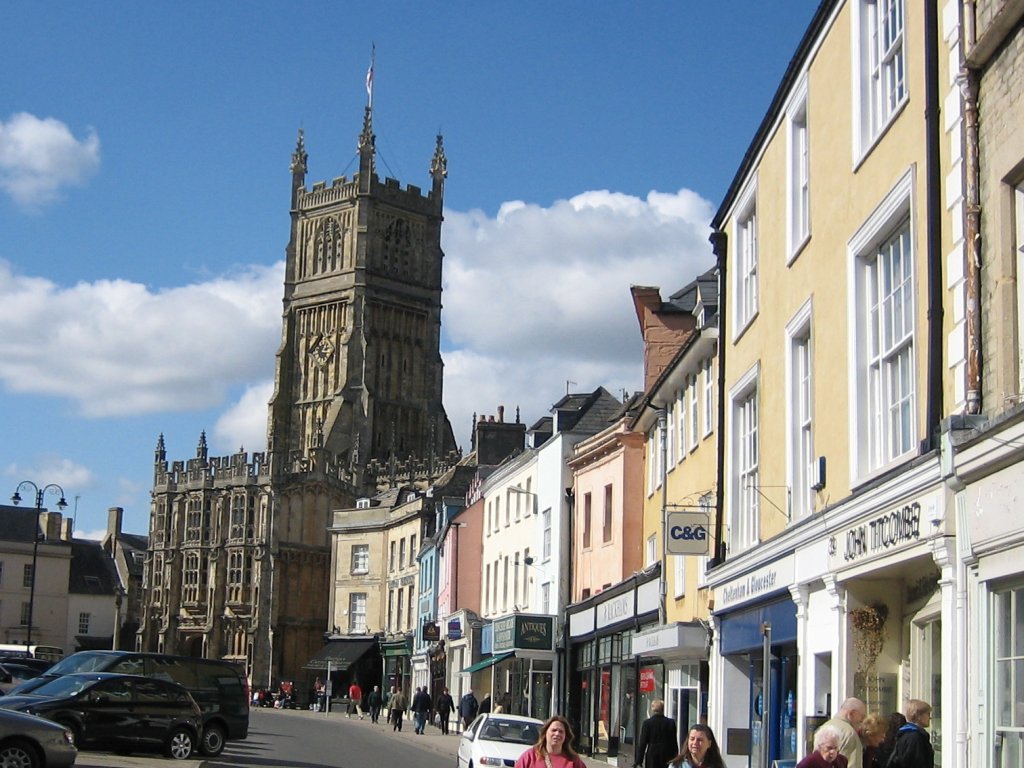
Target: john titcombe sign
point(883, 533)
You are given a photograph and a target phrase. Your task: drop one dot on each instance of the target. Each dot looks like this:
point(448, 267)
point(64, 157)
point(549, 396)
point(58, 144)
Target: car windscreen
point(67, 685)
point(83, 661)
point(510, 731)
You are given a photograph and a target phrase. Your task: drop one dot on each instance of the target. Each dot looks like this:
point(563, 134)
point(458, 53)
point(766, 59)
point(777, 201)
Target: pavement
point(432, 739)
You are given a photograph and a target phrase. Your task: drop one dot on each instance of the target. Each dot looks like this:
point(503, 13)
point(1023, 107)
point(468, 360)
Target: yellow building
point(839, 270)
point(679, 422)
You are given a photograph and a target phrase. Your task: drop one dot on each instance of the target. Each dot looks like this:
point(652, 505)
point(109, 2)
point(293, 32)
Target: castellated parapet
point(390, 191)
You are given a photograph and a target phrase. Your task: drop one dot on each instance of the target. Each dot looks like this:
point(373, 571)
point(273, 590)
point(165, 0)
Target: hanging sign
point(687, 533)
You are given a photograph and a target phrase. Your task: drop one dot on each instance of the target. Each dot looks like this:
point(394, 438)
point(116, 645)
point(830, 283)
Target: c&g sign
point(687, 533)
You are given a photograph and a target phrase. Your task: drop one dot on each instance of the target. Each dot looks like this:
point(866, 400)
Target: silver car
point(27, 741)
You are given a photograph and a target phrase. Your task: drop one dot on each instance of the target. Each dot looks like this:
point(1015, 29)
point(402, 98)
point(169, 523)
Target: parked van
point(219, 687)
point(46, 652)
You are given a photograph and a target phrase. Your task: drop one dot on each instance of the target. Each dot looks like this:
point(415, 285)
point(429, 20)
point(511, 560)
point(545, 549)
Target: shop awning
point(342, 654)
point(489, 662)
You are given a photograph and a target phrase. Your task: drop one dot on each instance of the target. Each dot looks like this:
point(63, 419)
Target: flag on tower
point(369, 75)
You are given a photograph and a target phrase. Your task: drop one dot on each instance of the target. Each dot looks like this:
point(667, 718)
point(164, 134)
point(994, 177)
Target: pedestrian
point(658, 743)
point(872, 735)
point(398, 705)
point(319, 694)
point(468, 708)
point(444, 708)
point(896, 721)
point(846, 722)
point(700, 750)
point(553, 748)
point(355, 700)
point(485, 705)
point(375, 701)
point(826, 752)
point(913, 744)
point(387, 702)
point(420, 709)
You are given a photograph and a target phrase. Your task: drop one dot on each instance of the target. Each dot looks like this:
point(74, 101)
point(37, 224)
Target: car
point(40, 665)
point(497, 740)
point(128, 713)
point(27, 741)
point(12, 674)
point(219, 687)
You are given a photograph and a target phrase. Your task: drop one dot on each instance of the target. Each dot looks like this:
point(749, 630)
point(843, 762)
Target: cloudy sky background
point(144, 193)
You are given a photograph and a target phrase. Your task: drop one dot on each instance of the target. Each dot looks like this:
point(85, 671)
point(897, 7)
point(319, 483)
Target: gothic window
point(238, 516)
point(190, 580)
point(193, 518)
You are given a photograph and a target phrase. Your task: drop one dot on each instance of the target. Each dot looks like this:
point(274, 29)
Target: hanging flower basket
point(868, 634)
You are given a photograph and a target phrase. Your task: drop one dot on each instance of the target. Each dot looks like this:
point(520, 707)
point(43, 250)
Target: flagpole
point(369, 76)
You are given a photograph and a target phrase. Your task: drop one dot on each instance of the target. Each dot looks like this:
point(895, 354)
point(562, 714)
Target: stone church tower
point(239, 551)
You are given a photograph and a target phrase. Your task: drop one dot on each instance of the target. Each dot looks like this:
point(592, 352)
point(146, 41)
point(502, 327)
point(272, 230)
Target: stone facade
point(240, 560)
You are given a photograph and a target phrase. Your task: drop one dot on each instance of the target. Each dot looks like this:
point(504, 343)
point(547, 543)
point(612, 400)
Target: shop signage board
point(687, 533)
point(882, 532)
point(756, 584)
point(454, 629)
point(431, 632)
point(646, 680)
point(523, 632)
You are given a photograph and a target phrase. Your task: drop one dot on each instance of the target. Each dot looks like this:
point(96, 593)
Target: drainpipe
point(719, 243)
point(663, 586)
point(933, 217)
point(968, 82)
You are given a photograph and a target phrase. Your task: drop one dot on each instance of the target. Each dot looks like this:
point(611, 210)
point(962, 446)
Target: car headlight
point(485, 760)
point(69, 737)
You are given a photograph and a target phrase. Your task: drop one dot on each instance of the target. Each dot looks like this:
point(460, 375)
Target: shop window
point(1006, 681)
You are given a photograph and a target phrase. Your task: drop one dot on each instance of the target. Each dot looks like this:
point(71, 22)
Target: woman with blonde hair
point(553, 748)
point(872, 733)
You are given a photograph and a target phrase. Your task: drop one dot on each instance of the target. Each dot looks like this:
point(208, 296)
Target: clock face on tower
point(321, 351)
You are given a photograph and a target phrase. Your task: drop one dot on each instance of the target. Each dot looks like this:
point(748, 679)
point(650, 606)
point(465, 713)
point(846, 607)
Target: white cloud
point(97, 534)
point(244, 424)
point(536, 297)
point(39, 157)
point(125, 349)
point(56, 469)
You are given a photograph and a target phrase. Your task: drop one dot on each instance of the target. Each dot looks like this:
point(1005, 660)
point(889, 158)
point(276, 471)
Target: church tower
point(239, 562)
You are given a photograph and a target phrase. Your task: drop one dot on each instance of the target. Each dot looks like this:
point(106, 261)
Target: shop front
point(610, 687)
point(523, 664)
point(756, 630)
point(397, 657)
point(683, 649)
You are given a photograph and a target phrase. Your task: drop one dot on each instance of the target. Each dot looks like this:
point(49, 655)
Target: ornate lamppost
point(54, 490)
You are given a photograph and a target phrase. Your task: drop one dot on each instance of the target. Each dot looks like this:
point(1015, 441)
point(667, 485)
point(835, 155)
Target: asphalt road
point(303, 739)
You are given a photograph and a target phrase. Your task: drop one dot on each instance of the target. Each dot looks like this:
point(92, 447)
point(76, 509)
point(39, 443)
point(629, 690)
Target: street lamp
point(52, 489)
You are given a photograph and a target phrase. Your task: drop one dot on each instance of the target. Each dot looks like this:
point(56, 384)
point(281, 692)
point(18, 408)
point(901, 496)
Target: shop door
point(928, 680)
point(780, 696)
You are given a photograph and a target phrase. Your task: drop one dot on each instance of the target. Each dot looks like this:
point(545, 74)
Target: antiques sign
point(523, 632)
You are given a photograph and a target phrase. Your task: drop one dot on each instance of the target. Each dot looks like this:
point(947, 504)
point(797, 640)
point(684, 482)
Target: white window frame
point(1018, 228)
point(800, 411)
point(670, 436)
point(678, 575)
point(798, 182)
point(357, 612)
point(545, 518)
point(745, 268)
point(880, 69)
point(681, 420)
point(709, 396)
point(694, 426)
point(651, 550)
point(880, 364)
point(744, 528)
point(84, 619)
point(1005, 663)
point(360, 558)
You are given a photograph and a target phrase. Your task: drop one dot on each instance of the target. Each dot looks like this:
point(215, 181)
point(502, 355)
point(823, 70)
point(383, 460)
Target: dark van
point(218, 687)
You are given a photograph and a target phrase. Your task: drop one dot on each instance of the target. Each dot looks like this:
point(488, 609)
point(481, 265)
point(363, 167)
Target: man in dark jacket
point(444, 708)
point(658, 743)
point(468, 708)
point(913, 744)
point(420, 709)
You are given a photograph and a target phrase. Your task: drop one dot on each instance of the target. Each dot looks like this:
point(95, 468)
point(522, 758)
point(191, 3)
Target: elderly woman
point(699, 751)
point(552, 749)
point(826, 750)
point(872, 734)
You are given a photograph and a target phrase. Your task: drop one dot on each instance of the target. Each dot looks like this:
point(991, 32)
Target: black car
point(218, 687)
point(124, 712)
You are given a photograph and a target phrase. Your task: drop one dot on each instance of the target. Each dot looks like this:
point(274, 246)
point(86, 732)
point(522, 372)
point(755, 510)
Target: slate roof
point(587, 413)
point(18, 523)
point(92, 569)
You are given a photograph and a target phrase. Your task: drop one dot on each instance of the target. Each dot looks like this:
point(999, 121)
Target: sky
point(144, 191)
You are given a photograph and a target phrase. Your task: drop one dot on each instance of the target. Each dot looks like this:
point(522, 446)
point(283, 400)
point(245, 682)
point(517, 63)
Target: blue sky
point(144, 184)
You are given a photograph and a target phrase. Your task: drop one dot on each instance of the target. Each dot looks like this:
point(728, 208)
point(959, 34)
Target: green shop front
point(397, 654)
point(521, 662)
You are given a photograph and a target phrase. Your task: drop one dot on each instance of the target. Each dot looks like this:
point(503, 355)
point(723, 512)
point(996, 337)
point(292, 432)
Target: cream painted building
point(840, 252)
point(680, 426)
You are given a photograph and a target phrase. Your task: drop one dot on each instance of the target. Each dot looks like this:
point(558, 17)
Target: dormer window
point(362, 503)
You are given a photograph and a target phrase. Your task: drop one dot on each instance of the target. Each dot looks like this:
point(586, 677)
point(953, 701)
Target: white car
point(497, 740)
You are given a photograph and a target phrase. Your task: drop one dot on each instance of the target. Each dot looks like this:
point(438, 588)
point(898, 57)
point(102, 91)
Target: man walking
point(658, 743)
point(444, 708)
point(375, 701)
point(398, 705)
point(468, 707)
point(846, 721)
point(355, 700)
point(420, 709)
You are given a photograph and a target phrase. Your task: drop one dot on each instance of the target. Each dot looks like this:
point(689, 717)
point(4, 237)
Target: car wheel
point(212, 743)
point(18, 754)
point(180, 744)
